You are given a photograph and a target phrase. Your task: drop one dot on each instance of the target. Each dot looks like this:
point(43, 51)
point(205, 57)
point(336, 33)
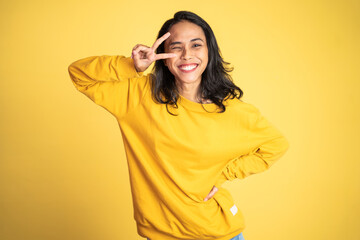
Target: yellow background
point(63, 172)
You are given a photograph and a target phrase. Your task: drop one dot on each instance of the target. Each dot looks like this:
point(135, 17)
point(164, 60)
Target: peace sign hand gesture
point(144, 56)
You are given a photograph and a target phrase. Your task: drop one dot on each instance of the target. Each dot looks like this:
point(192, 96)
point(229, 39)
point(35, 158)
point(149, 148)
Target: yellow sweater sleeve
point(271, 145)
point(110, 81)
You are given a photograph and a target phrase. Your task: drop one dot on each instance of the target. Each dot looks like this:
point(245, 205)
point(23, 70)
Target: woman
point(185, 130)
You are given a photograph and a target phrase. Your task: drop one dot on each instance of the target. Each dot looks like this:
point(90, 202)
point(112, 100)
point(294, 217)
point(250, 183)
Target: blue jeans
point(238, 237)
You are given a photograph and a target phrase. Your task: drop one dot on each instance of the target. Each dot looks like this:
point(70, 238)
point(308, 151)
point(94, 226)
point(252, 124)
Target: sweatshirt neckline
point(197, 107)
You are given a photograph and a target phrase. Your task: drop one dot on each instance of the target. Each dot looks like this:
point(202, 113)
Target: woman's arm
point(109, 81)
point(270, 146)
point(114, 82)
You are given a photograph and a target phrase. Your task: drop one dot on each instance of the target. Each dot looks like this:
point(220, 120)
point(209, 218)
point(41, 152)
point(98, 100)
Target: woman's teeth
point(188, 67)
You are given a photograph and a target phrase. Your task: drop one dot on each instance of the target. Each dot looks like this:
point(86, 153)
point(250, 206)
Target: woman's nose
point(186, 54)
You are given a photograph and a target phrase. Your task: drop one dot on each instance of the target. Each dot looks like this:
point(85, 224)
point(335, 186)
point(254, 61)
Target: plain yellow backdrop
point(63, 172)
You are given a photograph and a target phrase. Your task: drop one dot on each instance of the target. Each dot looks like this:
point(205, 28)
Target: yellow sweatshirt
point(174, 161)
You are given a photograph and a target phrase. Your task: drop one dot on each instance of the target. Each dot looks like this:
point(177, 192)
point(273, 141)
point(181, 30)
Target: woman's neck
point(189, 91)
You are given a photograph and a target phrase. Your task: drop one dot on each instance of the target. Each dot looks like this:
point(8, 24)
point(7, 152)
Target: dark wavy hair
point(216, 83)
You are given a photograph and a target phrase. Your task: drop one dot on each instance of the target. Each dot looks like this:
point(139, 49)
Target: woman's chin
point(188, 80)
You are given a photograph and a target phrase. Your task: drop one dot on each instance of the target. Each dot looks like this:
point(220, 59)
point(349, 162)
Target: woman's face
point(188, 42)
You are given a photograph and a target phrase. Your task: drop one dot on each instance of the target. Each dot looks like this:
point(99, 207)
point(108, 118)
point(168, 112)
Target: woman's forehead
point(185, 32)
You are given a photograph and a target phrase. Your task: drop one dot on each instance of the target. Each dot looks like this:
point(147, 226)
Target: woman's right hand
point(144, 56)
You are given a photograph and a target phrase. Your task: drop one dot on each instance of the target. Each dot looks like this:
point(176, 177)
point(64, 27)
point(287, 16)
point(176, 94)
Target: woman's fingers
point(160, 40)
point(164, 55)
point(143, 55)
point(211, 194)
point(139, 48)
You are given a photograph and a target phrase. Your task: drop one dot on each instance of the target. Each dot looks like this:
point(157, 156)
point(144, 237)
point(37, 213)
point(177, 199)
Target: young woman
point(184, 128)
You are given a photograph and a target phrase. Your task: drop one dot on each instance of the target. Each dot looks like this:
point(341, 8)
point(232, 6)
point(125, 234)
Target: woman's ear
point(164, 60)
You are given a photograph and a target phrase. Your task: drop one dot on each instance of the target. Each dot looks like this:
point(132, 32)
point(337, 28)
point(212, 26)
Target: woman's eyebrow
point(192, 40)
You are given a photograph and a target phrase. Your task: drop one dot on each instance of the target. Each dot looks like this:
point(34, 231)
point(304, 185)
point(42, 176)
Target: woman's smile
point(186, 68)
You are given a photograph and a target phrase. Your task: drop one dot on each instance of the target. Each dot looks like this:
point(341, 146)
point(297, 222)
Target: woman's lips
point(188, 67)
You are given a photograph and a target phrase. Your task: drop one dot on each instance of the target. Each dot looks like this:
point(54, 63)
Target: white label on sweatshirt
point(234, 209)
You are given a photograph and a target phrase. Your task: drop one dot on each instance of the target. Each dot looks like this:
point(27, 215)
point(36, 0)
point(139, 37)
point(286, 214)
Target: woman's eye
point(197, 45)
point(175, 48)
